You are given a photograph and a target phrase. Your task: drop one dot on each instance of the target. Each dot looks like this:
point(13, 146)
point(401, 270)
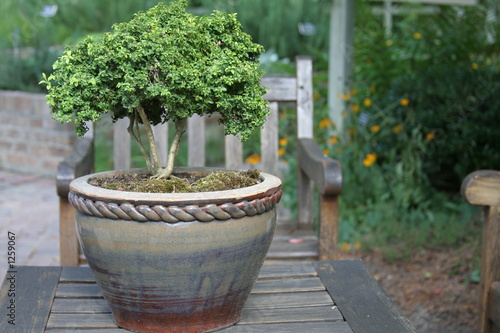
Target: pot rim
point(269, 185)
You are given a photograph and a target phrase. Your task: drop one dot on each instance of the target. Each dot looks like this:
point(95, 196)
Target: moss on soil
point(216, 181)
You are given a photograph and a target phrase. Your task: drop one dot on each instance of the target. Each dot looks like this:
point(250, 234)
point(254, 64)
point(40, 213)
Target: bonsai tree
point(163, 65)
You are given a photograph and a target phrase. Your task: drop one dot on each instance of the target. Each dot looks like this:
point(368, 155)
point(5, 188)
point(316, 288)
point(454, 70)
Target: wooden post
point(340, 57)
point(329, 226)
point(305, 105)
point(490, 265)
point(68, 241)
point(482, 188)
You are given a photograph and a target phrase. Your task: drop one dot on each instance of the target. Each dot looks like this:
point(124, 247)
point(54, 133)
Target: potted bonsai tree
point(169, 262)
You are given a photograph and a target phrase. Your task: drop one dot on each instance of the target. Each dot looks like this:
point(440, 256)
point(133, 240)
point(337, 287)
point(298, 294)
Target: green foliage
point(168, 64)
point(173, 63)
point(277, 24)
point(34, 32)
point(446, 66)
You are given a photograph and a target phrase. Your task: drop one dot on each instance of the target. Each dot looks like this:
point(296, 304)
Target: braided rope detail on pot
point(174, 214)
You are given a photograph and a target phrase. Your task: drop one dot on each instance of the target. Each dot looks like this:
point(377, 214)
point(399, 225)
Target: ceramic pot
point(175, 262)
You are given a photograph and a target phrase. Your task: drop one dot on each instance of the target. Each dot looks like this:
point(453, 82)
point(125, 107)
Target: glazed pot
point(175, 262)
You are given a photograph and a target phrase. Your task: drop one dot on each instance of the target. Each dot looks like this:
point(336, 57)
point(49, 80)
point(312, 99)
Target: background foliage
point(422, 110)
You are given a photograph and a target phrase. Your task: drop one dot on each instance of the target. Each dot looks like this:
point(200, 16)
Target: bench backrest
point(280, 89)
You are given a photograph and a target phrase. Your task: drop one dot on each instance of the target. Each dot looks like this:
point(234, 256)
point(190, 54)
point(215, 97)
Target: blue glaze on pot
point(183, 277)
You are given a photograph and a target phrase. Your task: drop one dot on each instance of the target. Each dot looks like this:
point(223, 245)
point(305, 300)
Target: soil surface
point(178, 183)
point(433, 288)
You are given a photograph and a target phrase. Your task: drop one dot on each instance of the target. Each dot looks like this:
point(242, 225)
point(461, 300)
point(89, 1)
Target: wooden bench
point(482, 188)
point(322, 296)
point(293, 239)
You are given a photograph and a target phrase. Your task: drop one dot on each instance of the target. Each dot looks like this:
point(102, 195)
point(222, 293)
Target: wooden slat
point(196, 141)
point(494, 304)
point(269, 142)
point(81, 321)
point(360, 299)
point(281, 248)
point(290, 269)
point(121, 145)
point(161, 138)
point(98, 330)
point(80, 305)
point(77, 274)
point(287, 285)
point(233, 152)
point(304, 98)
point(280, 89)
point(482, 188)
point(80, 290)
point(292, 315)
point(320, 327)
point(288, 300)
point(32, 290)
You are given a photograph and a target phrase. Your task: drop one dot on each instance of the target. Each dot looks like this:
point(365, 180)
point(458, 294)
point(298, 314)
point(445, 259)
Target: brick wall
point(30, 140)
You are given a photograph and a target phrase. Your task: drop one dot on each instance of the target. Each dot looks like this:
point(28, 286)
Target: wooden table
point(325, 296)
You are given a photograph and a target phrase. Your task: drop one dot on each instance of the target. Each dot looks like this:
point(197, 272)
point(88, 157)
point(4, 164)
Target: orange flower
point(369, 159)
point(325, 123)
point(417, 35)
point(367, 102)
point(281, 152)
point(283, 142)
point(430, 136)
point(326, 152)
point(344, 247)
point(374, 128)
point(397, 129)
point(333, 140)
point(404, 102)
point(355, 108)
point(474, 66)
point(253, 159)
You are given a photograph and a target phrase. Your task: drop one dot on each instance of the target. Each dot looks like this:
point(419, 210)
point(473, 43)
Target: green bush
point(448, 72)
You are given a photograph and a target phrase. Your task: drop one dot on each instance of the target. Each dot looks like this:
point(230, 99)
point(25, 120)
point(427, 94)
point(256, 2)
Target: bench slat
point(233, 152)
point(280, 89)
point(121, 145)
point(196, 141)
point(269, 141)
point(293, 321)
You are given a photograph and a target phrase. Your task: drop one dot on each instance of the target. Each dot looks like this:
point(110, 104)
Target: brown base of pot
point(176, 325)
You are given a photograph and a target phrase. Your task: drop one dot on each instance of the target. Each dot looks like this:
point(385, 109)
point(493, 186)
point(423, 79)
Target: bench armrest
point(325, 172)
point(78, 163)
point(482, 188)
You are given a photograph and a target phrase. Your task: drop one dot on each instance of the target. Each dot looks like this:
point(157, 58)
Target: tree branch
point(180, 129)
